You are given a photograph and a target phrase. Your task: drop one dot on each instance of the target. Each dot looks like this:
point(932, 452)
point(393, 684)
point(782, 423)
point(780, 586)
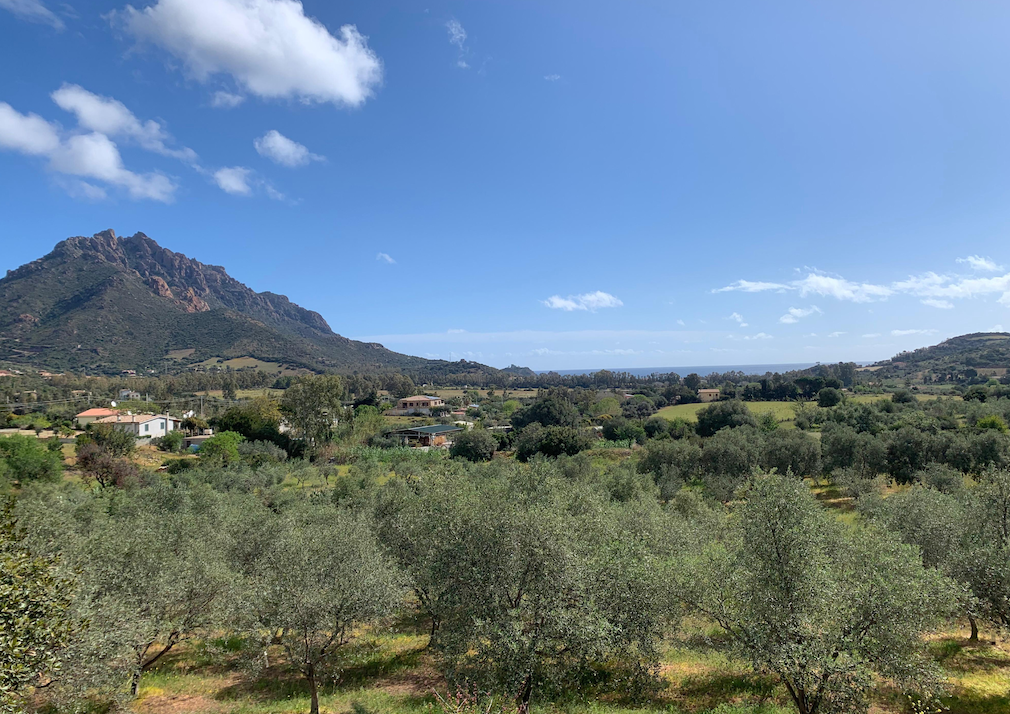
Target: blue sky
point(553, 184)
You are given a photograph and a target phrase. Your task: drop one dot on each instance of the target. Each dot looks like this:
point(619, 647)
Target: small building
point(708, 395)
point(142, 426)
point(436, 435)
point(416, 405)
point(129, 395)
point(92, 415)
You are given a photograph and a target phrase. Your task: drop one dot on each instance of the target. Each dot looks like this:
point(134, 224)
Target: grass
point(783, 411)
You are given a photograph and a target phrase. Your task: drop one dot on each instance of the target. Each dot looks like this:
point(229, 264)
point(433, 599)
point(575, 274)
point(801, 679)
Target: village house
point(142, 426)
point(708, 395)
point(416, 405)
point(93, 415)
point(129, 395)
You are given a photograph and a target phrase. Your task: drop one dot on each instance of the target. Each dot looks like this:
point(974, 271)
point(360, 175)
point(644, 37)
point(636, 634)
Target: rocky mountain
point(106, 303)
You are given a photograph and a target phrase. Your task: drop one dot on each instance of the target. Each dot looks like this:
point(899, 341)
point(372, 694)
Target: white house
point(142, 426)
point(419, 404)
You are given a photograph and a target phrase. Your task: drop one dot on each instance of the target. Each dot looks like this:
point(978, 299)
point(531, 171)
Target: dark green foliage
point(171, 442)
point(731, 413)
point(258, 453)
point(658, 428)
point(114, 441)
point(474, 445)
point(792, 451)
point(829, 397)
point(902, 396)
point(620, 429)
point(27, 459)
point(551, 441)
point(672, 464)
point(729, 458)
point(552, 410)
point(221, 448)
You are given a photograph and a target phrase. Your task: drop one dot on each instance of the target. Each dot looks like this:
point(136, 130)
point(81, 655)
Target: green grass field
point(783, 411)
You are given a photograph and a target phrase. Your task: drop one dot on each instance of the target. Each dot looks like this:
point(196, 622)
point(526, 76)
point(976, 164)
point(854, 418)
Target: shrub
point(28, 459)
point(221, 447)
point(620, 429)
point(474, 445)
point(731, 413)
point(829, 397)
point(551, 441)
point(993, 421)
point(171, 442)
point(114, 441)
point(257, 453)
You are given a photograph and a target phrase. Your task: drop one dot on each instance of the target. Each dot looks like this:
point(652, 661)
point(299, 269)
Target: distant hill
point(105, 303)
point(983, 352)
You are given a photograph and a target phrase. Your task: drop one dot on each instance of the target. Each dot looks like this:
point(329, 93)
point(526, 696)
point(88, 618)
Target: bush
point(257, 453)
point(551, 441)
point(114, 441)
point(731, 413)
point(620, 429)
point(993, 421)
point(902, 396)
point(28, 459)
point(221, 447)
point(474, 445)
point(829, 397)
point(171, 442)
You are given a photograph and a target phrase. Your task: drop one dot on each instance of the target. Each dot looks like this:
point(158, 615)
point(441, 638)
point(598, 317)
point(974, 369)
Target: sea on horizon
point(682, 371)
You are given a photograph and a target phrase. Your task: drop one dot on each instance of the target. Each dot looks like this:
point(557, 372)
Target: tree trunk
point(974, 629)
point(310, 674)
point(135, 683)
point(525, 694)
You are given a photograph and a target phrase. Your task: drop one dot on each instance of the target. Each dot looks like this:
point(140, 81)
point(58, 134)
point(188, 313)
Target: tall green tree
point(312, 405)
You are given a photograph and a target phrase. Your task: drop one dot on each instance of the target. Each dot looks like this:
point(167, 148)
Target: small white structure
point(129, 395)
point(142, 426)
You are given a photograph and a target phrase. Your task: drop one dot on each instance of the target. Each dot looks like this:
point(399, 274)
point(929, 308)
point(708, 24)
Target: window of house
point(147, 427)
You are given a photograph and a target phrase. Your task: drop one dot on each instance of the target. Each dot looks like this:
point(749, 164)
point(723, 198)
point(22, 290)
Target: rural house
point(416, 405)
point(142, 426)
point(708, 395)
point(92, 415)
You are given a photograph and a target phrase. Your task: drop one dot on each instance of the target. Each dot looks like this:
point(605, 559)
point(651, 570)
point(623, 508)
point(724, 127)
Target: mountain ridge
point(107, 303)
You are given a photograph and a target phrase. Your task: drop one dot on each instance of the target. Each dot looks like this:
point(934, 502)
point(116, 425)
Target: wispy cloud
point(837, 334)
point(386, 258)
point(872, 334)
point(234, 180)
point(226, 100)
point(587, 301)
point(977, 262)
point(552, 77)
point(457, 37)
point(750, 286)
point(937, 303)
point(904, 333)
point(33, 11)
point(795, 314)
point(739, 319)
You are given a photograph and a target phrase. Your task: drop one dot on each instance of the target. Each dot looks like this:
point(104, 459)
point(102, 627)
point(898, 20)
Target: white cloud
point(282, 150)
point(269, 47)
point(92, 156)
point(552, 77)
point(837, 334)
point(996, 328)
point(839, 288)
point(226, 100)
point(795, 314)
point(681, 323)
point(872, 334)
point(457, 37)
point(26, 133)
point(903, 333)
point(32, 11)
point(586, 301)
point(758, 336)
point(739, 319)
point(234, 180)
point(112, 118)
point(977, 262)
point(749, 286)
point(96, 156)
point(386, 258)
point(941, 304)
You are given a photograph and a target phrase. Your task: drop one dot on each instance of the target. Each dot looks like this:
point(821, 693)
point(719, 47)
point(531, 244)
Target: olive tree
point(822, 608)
point(312, 405)
point(35, 616)
point(321, 578)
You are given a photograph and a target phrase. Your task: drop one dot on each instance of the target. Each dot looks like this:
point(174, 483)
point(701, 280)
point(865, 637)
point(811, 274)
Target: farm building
point(416, 405)
point(435, 435)
point(708, 395)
